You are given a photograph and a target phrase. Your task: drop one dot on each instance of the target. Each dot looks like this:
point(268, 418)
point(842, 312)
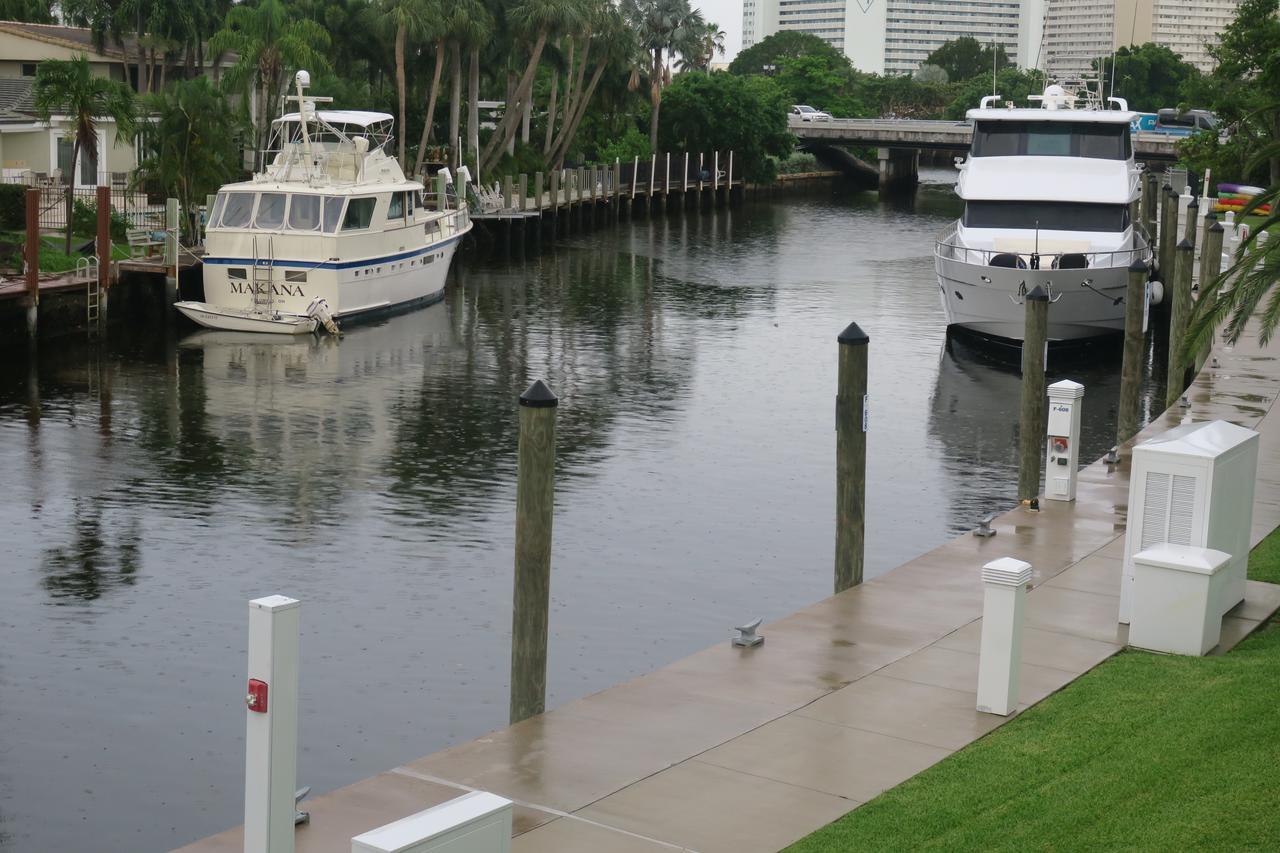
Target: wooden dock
point(568, 198)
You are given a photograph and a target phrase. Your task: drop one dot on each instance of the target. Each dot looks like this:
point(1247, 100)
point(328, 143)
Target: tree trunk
point(568, 88)
point(455, 99)
point(571, 130)
point(71, 192)
point(473, 109)
point(511, 115)
point(655, 97)
point(431, 109)
point(512, 104)
point(400, 35)
point(551, 111)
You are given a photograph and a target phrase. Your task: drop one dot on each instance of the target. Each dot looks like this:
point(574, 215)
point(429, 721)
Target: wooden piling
point(1168, 230)
point(1179, 290)
point(1131, 367)
point(524, 192)
point(537, 191)
point(535, 495)
point(1150, 202)
point(1211, 251)
point(102, 245)
point(507, 191)
point(1193, 221)
point(31, 257)
point(171, 250)
point(1031, 434)
point(851, 457)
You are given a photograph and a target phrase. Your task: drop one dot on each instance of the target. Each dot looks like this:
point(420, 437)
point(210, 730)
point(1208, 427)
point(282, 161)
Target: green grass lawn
point(52, 257)
point(1145, 752)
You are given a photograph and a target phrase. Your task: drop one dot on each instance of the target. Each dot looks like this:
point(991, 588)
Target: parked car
point(807, 113)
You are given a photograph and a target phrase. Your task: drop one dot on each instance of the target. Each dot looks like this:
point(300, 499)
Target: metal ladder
point(87, 272)
point(260, 281)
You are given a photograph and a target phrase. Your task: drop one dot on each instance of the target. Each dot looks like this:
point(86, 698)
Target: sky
point(728, 14)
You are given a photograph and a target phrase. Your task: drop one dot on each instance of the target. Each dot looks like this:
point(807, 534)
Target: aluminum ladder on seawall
point(87, 271)
point(260, 282)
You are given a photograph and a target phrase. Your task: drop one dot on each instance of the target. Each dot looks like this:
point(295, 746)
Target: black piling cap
point(853, 335)
point(538, 396)
point(1184, 243)
point(1211, 215)
point(1216, 226)
point(1193, 204)
point(1037, 294)
point(1139, 265)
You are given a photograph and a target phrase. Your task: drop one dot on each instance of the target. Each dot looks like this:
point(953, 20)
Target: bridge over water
point(900, 141)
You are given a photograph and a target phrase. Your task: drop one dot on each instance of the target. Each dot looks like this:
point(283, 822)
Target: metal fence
point(134, 204)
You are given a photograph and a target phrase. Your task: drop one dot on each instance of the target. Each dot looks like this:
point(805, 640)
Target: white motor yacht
point(1049, 196)
point(331, 229)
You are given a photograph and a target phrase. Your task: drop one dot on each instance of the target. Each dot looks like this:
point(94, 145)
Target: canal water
point(154, 482)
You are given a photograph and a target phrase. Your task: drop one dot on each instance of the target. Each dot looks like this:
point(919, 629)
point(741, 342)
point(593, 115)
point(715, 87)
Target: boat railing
point(947, 248)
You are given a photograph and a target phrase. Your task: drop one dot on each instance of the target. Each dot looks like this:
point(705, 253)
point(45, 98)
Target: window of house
point(359, 213)
point(28, 69)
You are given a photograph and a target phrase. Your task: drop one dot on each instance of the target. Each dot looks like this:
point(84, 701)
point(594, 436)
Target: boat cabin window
point(396, 209)
point(1046, 215)
point(1052, 139)
point(238, 210)
point(270, 210)
point(215, 213)
point(332, 212)
point(359, 213)
point(304, 213)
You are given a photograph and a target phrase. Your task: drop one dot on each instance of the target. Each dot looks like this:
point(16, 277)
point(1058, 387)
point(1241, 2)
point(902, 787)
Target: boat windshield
point(1094, 140)
point(276, 211)
point(1046, 215)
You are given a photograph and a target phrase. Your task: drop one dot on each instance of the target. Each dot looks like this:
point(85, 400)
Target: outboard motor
point(319, 310)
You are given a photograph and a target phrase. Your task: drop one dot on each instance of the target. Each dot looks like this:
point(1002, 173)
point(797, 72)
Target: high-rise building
point(895, 36)
point(1062, 36)
point(1078, 32)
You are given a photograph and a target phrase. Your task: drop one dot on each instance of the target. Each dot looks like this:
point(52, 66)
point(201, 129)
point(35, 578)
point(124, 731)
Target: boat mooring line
point(427, 777)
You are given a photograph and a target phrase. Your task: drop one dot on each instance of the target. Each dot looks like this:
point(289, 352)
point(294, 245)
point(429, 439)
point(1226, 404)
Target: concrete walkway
point(748, 750)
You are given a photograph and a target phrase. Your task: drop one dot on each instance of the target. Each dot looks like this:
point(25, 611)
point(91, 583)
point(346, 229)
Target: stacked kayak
point(1236, 196)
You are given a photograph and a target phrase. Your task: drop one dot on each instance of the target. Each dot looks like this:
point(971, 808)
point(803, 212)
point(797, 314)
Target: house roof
point(76, 38)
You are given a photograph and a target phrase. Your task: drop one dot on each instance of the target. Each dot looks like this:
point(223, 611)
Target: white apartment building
point(895, 36)
point(1062, 36)
point(1077, 32)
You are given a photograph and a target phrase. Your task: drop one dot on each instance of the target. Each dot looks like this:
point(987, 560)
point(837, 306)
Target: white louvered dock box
point(1193, 485)
point(478, 822)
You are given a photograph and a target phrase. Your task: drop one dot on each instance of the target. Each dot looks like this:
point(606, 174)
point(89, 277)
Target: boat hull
point(351, 288)
point(987, 300)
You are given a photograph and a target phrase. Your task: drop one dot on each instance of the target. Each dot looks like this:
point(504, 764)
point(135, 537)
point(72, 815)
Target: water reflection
point(158, 479)
point(974, 415)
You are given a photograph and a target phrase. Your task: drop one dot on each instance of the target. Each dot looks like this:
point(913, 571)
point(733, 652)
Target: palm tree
point(663, 27)
point(69, 87)
point(536, 20)
point(1233, 298)
point(408, 19)
point(607, 34)
point(268, 44)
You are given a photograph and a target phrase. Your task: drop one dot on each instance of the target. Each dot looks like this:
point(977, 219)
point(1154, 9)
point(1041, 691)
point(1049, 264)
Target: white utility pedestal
point(1062, 453)
point(1004, 584)
point(1193, 485)
point(1175, 599)
point(478, 822)
point(271, 728)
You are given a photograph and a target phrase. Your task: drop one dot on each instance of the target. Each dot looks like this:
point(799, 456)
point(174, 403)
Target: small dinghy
point(246, 319)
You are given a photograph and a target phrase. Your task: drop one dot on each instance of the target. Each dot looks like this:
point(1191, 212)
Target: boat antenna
point(993, 68)
point(303, 80)
point(1035, 255)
